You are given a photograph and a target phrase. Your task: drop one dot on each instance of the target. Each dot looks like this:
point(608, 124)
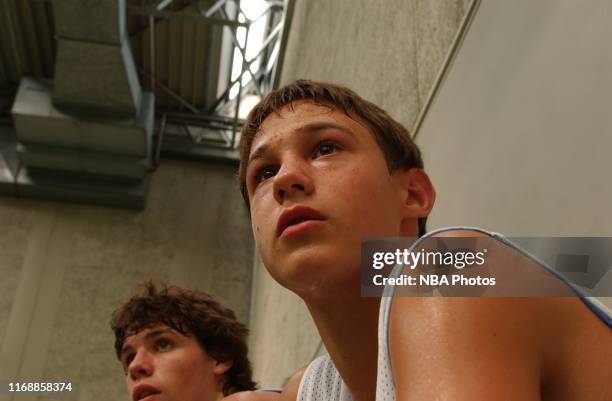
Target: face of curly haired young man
point(177, 344)
point(162, 364)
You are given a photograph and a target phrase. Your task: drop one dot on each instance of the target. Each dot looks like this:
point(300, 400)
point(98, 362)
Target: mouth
point(297, 219)
point(144, 392)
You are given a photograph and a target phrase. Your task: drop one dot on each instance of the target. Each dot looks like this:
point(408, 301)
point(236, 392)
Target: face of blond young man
point(318, 183)
point(162, 364)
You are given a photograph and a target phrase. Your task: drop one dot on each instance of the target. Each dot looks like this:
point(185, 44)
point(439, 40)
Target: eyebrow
point(155, 333)
point(312, 127)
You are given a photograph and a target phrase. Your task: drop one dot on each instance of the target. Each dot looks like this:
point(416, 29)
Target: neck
point(349, 330)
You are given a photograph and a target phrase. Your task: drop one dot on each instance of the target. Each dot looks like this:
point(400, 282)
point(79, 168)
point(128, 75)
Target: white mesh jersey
point(321, 380)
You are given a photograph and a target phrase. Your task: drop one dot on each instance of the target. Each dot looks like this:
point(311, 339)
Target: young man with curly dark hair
point(178, 344)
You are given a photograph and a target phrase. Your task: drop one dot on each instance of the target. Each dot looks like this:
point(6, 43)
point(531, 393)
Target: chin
point(318, 270)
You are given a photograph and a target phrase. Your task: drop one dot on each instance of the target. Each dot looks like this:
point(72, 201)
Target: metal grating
point(184, 62)
point(184, 51)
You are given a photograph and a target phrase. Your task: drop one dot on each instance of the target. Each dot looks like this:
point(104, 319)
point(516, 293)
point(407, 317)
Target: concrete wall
point(390, 53)
point(65, 267)
point(514, 140)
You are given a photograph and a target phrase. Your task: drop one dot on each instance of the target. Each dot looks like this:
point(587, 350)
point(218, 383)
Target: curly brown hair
point(393, 138)
point(194, 313)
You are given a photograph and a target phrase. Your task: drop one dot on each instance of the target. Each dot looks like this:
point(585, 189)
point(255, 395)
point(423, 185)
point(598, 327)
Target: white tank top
point(321, 380)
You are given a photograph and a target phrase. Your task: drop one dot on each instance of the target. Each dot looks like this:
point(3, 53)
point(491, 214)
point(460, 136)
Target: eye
point(163, 345)
point(126, 361)
point(264, 173)
point(326, 148)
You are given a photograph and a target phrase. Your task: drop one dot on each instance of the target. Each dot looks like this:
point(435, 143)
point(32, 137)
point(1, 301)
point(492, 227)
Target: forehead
point(145, 332)
point(296, 115)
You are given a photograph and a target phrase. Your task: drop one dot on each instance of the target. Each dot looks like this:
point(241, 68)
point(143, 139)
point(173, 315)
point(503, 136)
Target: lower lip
point(149, 397)
point(300, 227)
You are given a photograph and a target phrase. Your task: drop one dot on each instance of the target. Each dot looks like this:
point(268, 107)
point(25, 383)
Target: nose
point(141, 366)
point(293, 179)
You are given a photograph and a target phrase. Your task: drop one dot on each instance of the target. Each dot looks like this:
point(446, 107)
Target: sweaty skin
point(320, 158)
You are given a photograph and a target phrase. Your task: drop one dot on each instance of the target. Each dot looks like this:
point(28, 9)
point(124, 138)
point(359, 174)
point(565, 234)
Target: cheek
point(371, 199)
point(263, 228)
point(197, 374)
point(128, 385)
point(260, 224)
point(255, 226)
point(262, 210)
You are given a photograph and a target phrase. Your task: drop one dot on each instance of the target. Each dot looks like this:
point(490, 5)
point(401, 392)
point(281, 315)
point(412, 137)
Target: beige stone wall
point(65, 267)
point(390, 53)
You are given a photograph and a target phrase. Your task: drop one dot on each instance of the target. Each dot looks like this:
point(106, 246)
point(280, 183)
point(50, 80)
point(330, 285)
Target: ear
point(221, 368)
point(417, 195)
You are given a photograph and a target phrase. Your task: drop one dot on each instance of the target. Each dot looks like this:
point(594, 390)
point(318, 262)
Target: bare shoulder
point(477, 348)
point(444, 346)
point(456, 340)
point(289, 393)
point(290, 390)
